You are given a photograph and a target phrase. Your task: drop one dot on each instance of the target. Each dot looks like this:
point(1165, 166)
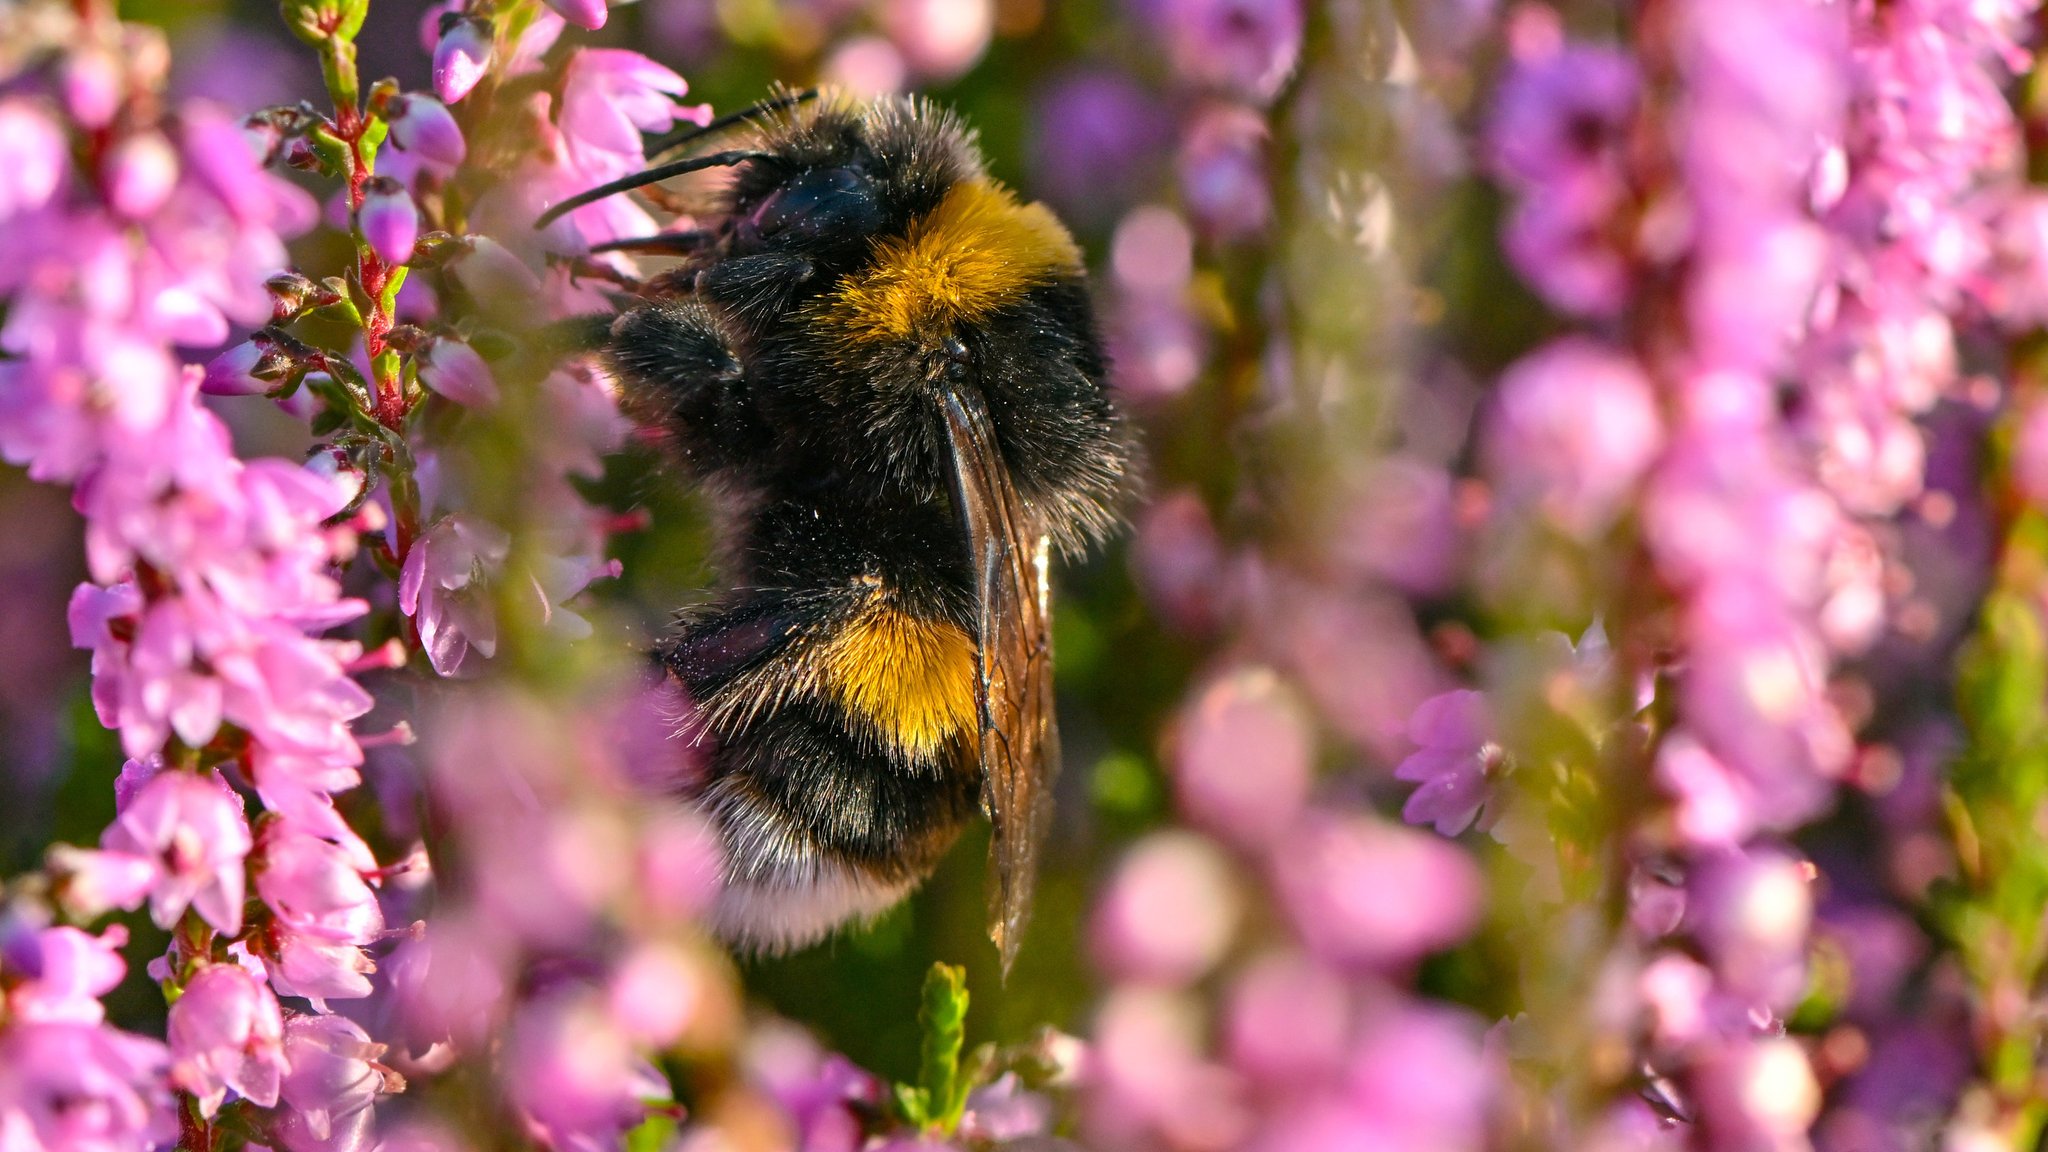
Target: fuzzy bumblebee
point(890, 366)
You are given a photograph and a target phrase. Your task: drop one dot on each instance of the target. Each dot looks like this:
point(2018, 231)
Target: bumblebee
point(889, 366)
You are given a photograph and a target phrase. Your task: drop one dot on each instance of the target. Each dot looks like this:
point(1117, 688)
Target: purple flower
point(1752, 911)
point(1287, 1020)
point(315, 885)
point(227, 1034)
point(57, 975)
point(940, 39)
point(331, 1086)
point(453, 369)
point(461, 58)
point(81, 1086)
point(232, 373)
point(389, 220)
point(1170, 911)
point(1574, 429)
point(34, 158)
point(443, 588)
point(1243, 757)
point(139, 174)
point(575, 1075)
point(192, 828)
point(1145, 1074)
point(424, 127)
point(1454, 764)
point(1096, 141)
point(582, 13)
point(1245, 46)
point(1222, 168)
point(1367, 893)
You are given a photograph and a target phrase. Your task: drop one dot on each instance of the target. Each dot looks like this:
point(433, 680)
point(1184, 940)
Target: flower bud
point(317, 20)
point(233, 372)
point(453, 369)
point(461, 58)
point(422, 125)
point(389, 221)
point(290, 294)
point(91, 83)
point(33, 157)
point(582, 13)
point(139, 174)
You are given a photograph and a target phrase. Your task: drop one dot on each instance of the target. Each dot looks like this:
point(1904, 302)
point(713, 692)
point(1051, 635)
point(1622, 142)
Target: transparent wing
point(1020, 742)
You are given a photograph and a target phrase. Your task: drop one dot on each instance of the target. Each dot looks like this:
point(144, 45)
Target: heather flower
point(69, 1085)
point(192, 828)
point(582, 13)
point(461, 58)
point(1287, 1020)
point(1096, 141)
point(139, 174)
point(453, 369)
point(424, 127)
point(1244, 757)
point(33, 158)
point(1145, 1073)
point(939, 39)
point(1454, 764)
point(657, 992)
point(1169, 913)
point(1752, 911)
point(226, 1033)
point(443, 588)
point(1366, 893)
point(1575, 427)
point(57, 975)
point(315, 885)
point(1222, 169)
point(576, 1076)
point(389, 220)
point(1245, 46)
point(331, 1086)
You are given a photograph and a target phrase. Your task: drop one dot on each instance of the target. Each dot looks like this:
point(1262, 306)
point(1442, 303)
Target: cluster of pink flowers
point(133, 231)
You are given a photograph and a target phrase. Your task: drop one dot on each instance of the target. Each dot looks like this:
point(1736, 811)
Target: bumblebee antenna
point(682, 136)
point(654, 175)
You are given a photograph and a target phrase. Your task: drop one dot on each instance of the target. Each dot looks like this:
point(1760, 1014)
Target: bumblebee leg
point(679, 372)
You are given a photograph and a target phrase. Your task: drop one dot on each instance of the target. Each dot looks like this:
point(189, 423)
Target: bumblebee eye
point(958, 360)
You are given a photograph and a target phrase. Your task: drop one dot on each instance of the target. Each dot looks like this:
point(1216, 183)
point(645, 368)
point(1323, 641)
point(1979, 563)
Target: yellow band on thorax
point(977, 252)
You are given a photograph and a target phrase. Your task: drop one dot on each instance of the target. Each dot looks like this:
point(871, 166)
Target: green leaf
point(652, 1134)
point(912, 1105)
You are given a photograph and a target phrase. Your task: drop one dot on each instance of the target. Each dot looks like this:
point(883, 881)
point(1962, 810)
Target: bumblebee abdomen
point(909, 679)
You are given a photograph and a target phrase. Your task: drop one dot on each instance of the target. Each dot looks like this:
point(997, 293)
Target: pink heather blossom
point(1757, 1093)
point(939, 39)
point(227, 1034)
point(390, 221)
point(582, 13)
point(1362, 892)
point(1574, 428)
point(90, 883)
point(1179, 563)
point(83, 1086)
point(1716, 806)
point(1170, 911)
point(423, 126)
point(1248, 47)
point(658, 990)
point(576, 1075)
point(1145, 1073)
point(1752, 911)
point(453, 369)
point(1455, 763)
point(315, 885)
point(232, 373)
point(331, 1085)
point(1559, 124)
point(139, 174)
point(192, 829)
point(317, 966)
point(57, 975)
point(461, 58)
point(1222, 169)
point(1244, 757)
point(33, 157)
point(444, 589)
point(1288, 1020)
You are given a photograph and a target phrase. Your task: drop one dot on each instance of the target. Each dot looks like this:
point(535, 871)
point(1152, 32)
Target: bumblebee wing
point(1019, 740)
